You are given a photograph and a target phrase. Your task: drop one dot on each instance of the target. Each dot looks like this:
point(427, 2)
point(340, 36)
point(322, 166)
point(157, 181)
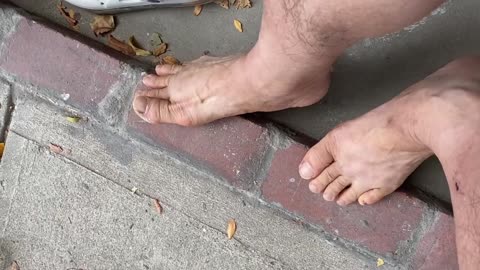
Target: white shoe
point(115, 6)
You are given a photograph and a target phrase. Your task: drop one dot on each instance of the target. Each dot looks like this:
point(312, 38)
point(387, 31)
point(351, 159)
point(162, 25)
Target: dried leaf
point(14, 266)
point(170, 60)
point(242, 4)
point(197, 10)
point(69, 15)
point(138, 51)
point(120, 46)
point(223, 3)
point(102, 24)
point(73, 119)
point(156, 40)
point(2, 148)
point(238, 25)
point(55, 148)
point(158, 206)
point(232, 228)
point(380, 262)
point(161, 49)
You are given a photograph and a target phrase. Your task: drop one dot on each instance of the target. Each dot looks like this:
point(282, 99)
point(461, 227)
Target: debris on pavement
point(156, 40)
point(120, 46)
point(138, 51)
point(231, 229)
point(197, 10)
point(239, 4)
point(73, 119)
point(2, 148)
point(238, 25)
point(55, 148)
point(161, 49)
point(380, 262)
point(134, 190)
point(14, 266)
point(223, 3)
point(170, 60)
point(70, 15)
point(158, 206)
point(102, 24)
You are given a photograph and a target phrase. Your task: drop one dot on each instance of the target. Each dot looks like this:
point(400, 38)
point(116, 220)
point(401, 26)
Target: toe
point(319, 184)
point(154, 93)
point(154, 81)
point(316, 160)
point(349, 195)
point(156, 110)
point(337, 186)
point(162, 70)
point(374, 195)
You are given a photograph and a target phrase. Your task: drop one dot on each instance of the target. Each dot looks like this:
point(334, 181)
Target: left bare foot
point(370, 157)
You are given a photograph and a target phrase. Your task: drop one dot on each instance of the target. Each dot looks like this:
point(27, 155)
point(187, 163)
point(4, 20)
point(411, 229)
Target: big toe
point(157, 110)
point(316, 160)
point(373, 196)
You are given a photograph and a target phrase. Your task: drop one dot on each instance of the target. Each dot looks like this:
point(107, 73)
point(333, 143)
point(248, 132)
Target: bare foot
point(368, 158)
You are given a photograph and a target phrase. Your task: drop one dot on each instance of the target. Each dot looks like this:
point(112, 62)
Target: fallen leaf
point(156, 40)
point(158, 206)
point(69, 15)
point(55, 148)
point(238, 25)
point(232, 228)
point(380, 262)
point(197, 10)
point(73, 119)
point(161, 49)
point(223, 3)
point(102, 24)
point(170, 60)
point(14, 266)
point(2, 148)
point(242, 4)
point(120, 46)
point(138, 51)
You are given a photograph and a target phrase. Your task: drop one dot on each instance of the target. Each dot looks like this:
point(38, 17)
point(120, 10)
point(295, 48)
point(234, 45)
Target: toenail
point(313, 188)
point(306, 170)
point(328, 197)
point(147, 79)
point(140, 104)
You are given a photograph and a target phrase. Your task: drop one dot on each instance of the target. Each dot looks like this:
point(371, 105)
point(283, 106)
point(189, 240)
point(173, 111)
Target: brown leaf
point(120, 46)
point(223, 3)
point(2, 148)
point(138, 51)
point(158, 206)
point(102, 24)
point(55, 148)
point(161, 49)
point(14, 266)
point(197, 10)
point(156, 40)
point(238, 25)
point(242, 4)
point(170, 60)
point(69, 15)
point(232, 228)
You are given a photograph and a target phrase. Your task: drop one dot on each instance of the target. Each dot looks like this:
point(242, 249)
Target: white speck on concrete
point(65, 96)
point(291, 180)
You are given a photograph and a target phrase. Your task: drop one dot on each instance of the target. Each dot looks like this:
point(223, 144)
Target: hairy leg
point(288, 67)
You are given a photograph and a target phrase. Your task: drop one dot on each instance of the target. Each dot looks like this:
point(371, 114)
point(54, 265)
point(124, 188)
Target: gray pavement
point(367, 75)
point(77, 211)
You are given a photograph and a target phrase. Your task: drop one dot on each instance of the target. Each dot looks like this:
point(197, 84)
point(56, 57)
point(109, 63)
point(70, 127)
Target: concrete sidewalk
point(72, 207)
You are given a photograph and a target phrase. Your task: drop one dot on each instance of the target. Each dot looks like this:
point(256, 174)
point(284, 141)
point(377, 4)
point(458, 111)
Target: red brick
point(51, 60)
point(380, 228)
point(233, 147)
point(437, 249)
